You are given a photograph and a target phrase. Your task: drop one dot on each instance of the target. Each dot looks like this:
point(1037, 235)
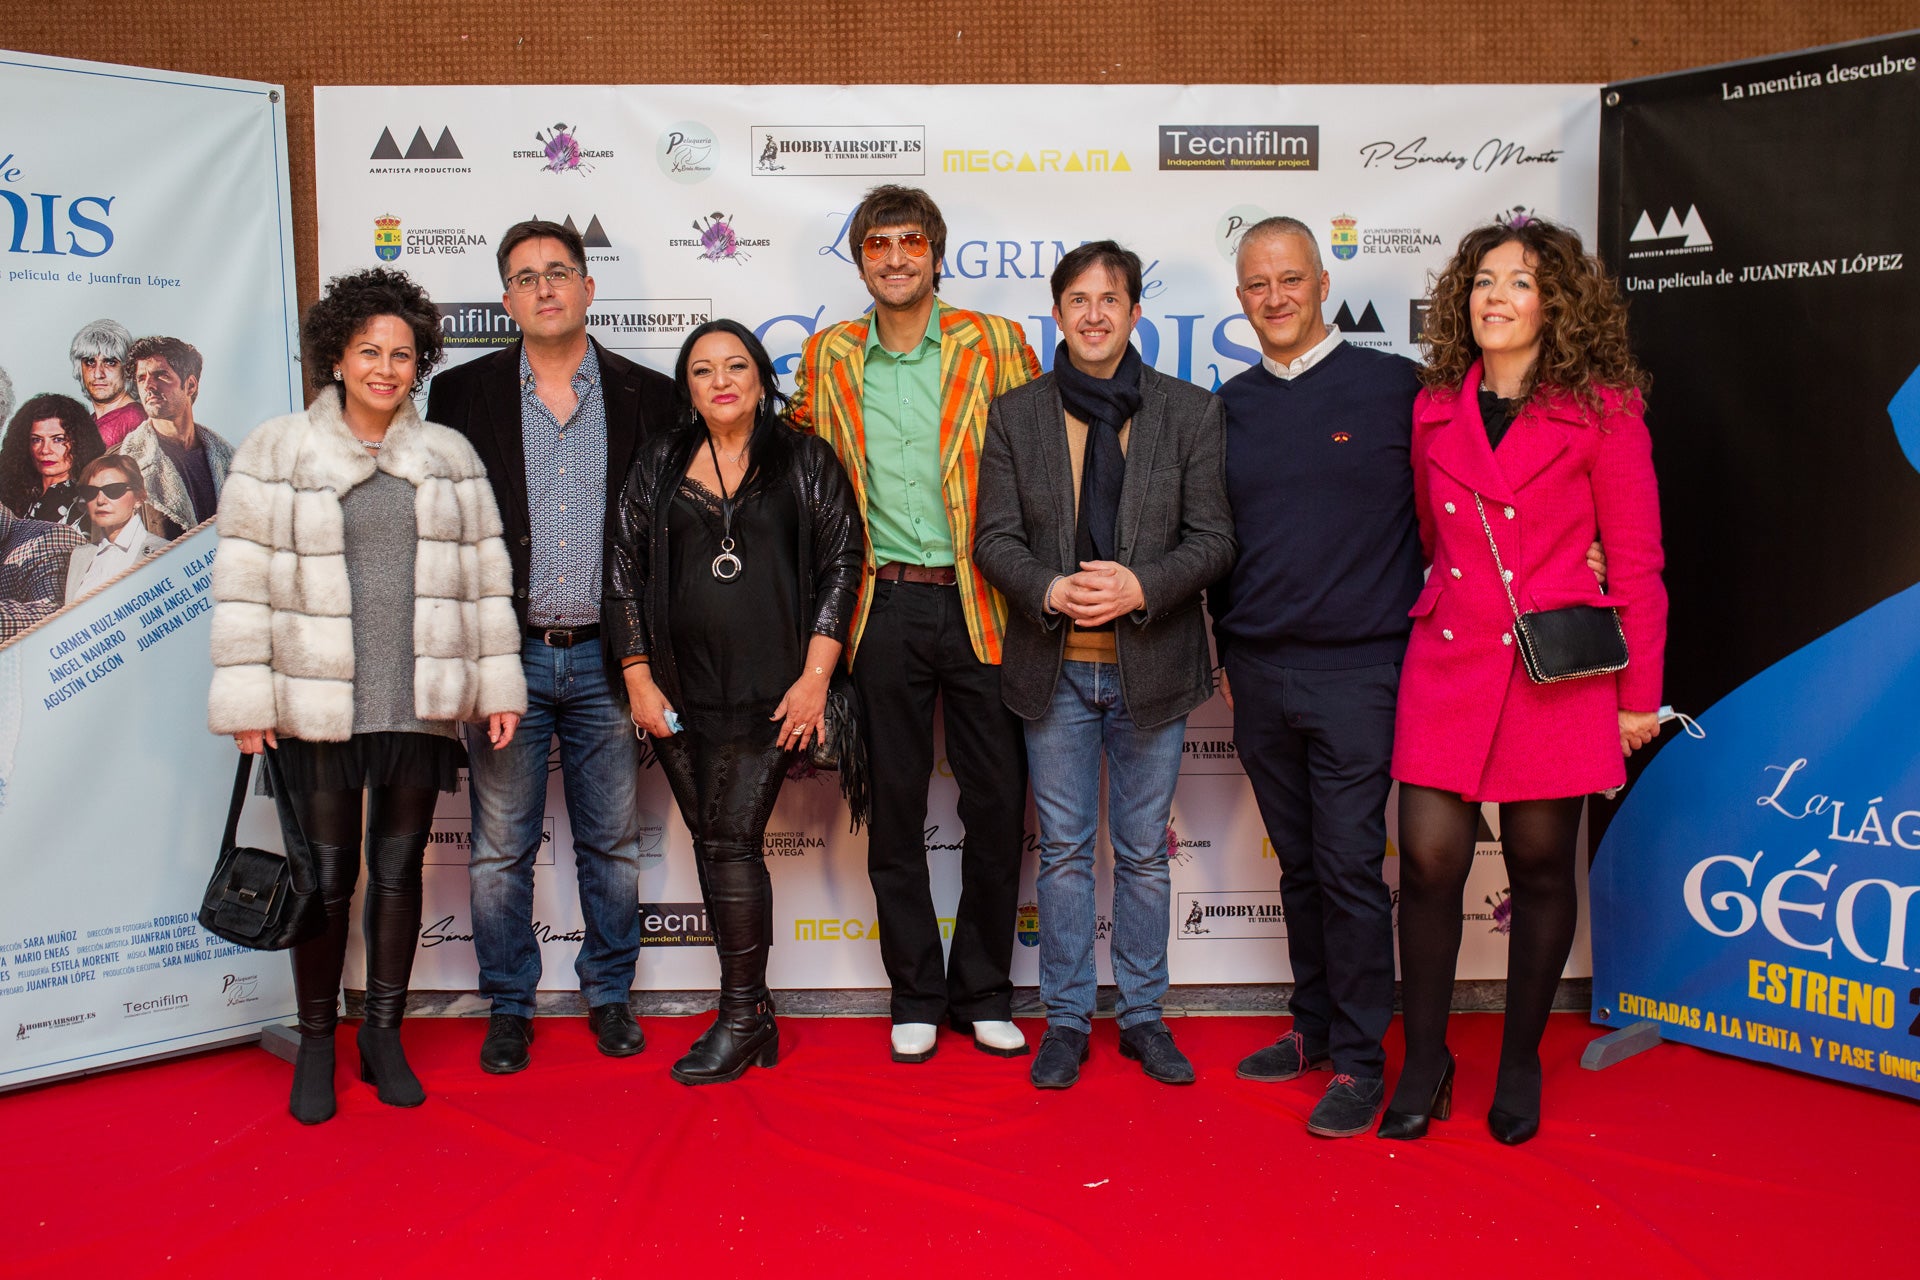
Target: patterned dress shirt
point(566, 498)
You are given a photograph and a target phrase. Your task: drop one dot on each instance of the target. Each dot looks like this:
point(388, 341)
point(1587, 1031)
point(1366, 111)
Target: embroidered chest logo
point(1341, 437)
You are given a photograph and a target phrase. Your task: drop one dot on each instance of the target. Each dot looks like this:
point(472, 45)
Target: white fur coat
point(282, 617)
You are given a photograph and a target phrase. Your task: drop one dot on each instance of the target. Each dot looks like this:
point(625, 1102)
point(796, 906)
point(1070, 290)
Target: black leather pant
point(397, 820)
point(726, 773)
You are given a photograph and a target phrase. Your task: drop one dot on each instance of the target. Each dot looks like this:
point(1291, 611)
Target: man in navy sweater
point(1310, 626)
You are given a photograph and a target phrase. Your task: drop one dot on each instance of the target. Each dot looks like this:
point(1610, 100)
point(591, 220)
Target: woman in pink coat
point(1532, 414)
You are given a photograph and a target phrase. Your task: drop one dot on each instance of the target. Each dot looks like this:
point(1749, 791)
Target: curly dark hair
point(352, 300)
point(20, 482)
point(1583, 335)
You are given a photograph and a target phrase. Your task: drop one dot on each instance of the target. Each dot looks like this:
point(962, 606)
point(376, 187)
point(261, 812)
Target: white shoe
point(1002, 1039)
point(913, 1041)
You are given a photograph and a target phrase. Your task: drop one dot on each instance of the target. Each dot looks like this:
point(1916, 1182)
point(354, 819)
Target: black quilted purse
point(1569, 643)
point(258, 898)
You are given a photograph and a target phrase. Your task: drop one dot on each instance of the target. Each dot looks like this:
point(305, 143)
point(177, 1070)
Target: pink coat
point(1469, 719)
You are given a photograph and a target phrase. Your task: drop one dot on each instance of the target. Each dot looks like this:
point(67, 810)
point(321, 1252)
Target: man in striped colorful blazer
point(902, 395)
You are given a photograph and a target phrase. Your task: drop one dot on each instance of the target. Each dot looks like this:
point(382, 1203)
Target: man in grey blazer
point(1103, 516)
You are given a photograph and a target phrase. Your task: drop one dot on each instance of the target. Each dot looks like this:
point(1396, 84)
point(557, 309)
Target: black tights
point(1437, 830)
point(725, 780)
point(397, 822)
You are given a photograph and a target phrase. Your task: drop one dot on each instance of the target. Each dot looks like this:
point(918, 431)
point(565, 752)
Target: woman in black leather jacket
point(730, 582)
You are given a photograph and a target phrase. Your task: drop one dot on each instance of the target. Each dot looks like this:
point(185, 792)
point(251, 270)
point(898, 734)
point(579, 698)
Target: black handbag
point(1569, 643)
point(258, 898)
point(840, 747)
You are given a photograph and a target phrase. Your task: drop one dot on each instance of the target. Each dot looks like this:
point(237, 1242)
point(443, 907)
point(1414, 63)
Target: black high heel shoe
point(1405, 1126)
point(384, 1066)
point(1515, 1116)
point(1512, 1128)
point(311, 1101)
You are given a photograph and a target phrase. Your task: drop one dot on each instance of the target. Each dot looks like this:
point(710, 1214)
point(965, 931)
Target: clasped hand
point(1102, 591)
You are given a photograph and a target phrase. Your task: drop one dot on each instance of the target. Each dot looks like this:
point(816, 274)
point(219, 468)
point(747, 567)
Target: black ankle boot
point(311, 1101)
point(739, 904)
point(1404, 1126)
point(384, 1066)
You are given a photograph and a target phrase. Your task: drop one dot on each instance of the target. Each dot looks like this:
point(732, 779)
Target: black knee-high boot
point(392, 928)
point(740, 908)
point(317, 963)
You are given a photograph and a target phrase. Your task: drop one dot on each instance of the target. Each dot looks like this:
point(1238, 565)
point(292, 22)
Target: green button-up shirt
point(900, 405)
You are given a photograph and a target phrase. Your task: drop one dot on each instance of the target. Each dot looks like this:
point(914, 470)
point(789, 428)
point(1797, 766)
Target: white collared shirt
point(116, 555)
point(1314, 355)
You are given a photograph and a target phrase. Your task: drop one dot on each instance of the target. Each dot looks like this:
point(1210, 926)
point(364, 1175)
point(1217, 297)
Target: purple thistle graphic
point(562, 150)
point(1173, 843)
point(717, 241)
point(1502, 911)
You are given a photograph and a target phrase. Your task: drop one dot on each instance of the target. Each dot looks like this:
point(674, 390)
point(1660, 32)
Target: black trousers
point(1317, 746)
point(915, 649)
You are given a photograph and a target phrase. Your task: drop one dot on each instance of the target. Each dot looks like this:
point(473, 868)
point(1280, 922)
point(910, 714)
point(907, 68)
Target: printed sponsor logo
point(1398, 240)
point(156, 1004)
point(1417, 309)
point(1366, 330)
point(26, 1029)
point(717, 240)
point(420, 155)
point(1232, 225)
point(561, 151)
point(1499, 913)
point(1271, 147)
point(1345, 239)
point(793, 844)
point(855, 930)
point(685, 153)
point(819, 151)
point(239, 988)
point(1026, 924)
point(1210, 749)
point(386, 237)
point(1674, 235)
point(675, 924)
point(1422, 153)
point(623, 324)
point(652, 839)
point(1180, 852)
point(1250, 913)
point(1036, 160)
point(450, 842)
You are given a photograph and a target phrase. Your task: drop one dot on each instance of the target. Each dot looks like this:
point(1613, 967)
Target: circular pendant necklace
point(726, 565)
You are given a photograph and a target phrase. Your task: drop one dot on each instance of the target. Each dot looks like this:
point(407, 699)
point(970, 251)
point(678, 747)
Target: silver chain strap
point(1506, 579)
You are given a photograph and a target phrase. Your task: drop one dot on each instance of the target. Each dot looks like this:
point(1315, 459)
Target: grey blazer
point(1175, 532)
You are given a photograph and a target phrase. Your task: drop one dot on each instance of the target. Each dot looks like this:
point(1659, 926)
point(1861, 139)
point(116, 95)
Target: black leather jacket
point(633, 599)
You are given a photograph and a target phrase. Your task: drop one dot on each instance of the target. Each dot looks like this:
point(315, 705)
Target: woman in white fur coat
point(362, 610)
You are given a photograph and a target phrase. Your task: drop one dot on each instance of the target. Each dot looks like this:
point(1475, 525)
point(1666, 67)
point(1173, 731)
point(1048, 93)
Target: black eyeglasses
point(558, 277)
point(113, 492)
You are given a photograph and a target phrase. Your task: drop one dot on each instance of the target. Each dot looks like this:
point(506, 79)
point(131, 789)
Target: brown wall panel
point(302, 43)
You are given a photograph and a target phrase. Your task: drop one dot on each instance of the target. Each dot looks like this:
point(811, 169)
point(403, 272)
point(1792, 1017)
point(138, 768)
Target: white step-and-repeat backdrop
point(701, 201)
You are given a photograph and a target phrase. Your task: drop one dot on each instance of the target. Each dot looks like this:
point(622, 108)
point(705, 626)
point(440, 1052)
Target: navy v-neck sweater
point(1319, 476)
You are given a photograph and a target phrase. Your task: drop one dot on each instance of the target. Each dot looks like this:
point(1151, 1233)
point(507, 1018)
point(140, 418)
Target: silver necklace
point(726, 565)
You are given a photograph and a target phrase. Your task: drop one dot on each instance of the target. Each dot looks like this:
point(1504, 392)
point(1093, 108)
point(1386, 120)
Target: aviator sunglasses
point(914, 242)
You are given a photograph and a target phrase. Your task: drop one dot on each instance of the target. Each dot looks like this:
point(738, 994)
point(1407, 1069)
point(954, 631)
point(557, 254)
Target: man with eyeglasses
point(902, 396)
point(556, 419)
point(99, 354)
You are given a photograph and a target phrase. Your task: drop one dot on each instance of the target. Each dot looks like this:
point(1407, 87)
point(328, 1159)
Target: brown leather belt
point(563, 637)
point(935, 575)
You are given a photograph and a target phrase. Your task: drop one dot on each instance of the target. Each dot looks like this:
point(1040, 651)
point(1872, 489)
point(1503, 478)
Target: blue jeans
point(568, 695)
point(1064, 750)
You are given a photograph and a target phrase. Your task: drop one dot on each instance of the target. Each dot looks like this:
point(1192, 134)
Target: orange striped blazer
point(981, 356)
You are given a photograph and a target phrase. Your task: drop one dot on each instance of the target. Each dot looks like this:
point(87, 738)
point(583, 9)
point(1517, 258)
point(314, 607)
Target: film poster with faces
point(146, 314)
point(1756, 892)
point(704, 201)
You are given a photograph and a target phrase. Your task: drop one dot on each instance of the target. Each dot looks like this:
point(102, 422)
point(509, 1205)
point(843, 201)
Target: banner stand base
point(283, 1041)
point(1604, 1052)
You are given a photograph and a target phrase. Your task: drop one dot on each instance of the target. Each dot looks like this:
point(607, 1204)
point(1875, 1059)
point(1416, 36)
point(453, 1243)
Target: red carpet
point(839, 1163)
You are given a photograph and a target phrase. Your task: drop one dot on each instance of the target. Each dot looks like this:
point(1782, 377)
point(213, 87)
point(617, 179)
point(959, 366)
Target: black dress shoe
point(504, 1051)
point(1285, 1059)
point(618, 1034)
point(1151, 1045)
point(1405, 1126)
point(1347, 1107)
point(1057, 1065)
